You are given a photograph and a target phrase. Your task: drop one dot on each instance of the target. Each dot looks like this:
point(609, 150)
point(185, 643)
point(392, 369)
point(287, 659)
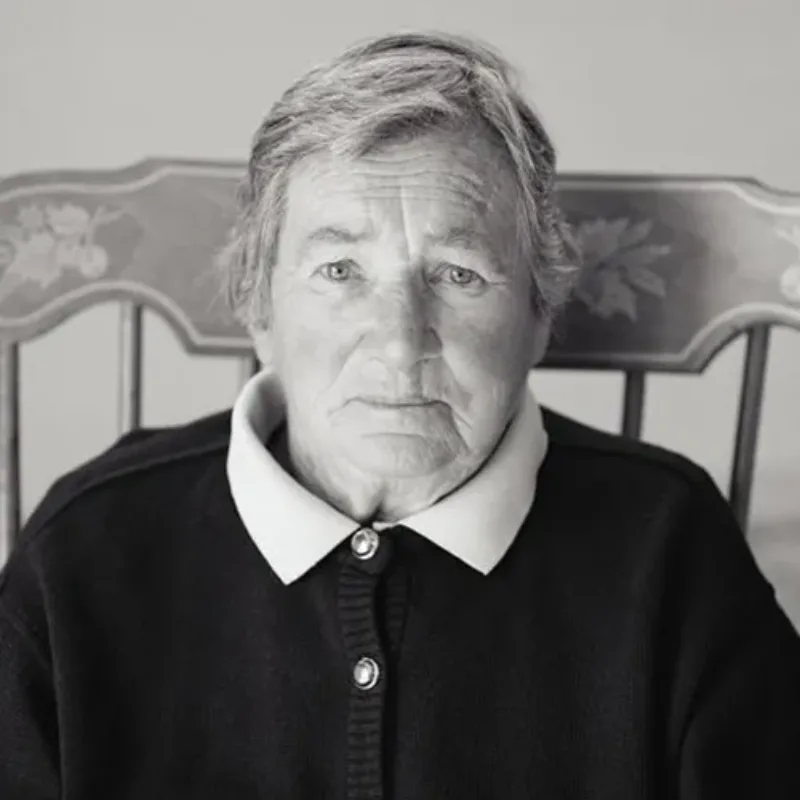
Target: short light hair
point(378, 92)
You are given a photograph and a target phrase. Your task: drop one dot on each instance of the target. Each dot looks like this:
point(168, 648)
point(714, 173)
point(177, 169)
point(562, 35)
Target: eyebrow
point(458, 237)
point(463, 237)
point(332, 234)
point(470, 239)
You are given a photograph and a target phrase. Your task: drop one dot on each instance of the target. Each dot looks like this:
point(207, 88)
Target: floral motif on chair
point(46, 242)
point(618, 259)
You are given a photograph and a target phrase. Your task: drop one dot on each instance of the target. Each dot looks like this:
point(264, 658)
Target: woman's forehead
point(451, 183)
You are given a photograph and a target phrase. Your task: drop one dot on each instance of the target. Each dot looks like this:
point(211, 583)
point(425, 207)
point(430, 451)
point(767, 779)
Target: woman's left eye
point(461, 276)
point(337, 271)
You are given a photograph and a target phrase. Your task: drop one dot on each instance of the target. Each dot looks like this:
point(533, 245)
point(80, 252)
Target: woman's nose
point(403, 326)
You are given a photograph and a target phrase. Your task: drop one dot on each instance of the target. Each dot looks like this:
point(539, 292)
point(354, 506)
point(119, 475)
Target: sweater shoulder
point(627, 484)
point(145, 453)
point(586, 447)
point(640, 509)
point(133, 504)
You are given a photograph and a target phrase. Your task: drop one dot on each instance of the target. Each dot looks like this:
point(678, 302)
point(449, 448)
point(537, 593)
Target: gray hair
point(377, 92)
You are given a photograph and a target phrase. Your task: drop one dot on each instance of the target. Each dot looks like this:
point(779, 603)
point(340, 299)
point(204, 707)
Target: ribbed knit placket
point(360, 575)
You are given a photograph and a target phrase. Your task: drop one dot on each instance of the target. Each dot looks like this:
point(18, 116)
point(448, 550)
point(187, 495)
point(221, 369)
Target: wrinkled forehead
point(436, 181)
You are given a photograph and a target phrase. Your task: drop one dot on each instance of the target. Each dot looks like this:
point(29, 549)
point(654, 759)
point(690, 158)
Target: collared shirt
point(294, 529)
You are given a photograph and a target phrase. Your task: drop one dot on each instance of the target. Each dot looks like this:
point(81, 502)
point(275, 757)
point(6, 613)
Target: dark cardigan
point(627, 646)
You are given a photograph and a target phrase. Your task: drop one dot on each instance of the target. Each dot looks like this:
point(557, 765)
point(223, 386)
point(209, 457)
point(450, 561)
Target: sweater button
point(364, 544)
point(366, 673)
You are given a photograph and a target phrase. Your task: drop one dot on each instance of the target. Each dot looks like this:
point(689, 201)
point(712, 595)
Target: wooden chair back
point(676, 268)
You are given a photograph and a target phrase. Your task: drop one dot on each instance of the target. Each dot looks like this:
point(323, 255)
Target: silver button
point(366, 673)
point(364, 544)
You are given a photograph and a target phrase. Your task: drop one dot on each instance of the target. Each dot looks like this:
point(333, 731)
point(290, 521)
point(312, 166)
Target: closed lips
point(402, 402)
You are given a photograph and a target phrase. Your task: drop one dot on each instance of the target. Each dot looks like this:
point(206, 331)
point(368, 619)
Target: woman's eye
point(461, 276)
point(337, 271)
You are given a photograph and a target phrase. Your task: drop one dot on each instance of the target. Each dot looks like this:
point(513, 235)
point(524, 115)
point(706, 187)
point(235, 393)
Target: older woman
point(388, 573)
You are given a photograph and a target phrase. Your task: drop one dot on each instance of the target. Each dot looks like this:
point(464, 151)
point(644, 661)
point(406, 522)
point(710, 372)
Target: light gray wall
point(677, 86)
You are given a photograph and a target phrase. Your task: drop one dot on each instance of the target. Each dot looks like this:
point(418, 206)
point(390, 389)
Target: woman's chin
point(399, 455)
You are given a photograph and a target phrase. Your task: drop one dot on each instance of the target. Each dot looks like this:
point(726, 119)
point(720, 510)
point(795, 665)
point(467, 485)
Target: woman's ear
point(262, 344)
point(540, 342)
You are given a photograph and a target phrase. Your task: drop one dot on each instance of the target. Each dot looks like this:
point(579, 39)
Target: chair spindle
point(9, 448)
point(750, 402)
point(129, 391)
point(633, 404)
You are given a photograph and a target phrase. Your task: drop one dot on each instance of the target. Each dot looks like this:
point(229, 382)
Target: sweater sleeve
point(740, 735)
point(28, 727)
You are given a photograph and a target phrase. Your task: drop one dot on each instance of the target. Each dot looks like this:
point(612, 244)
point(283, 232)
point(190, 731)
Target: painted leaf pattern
point(46, 242)
point(618, 261)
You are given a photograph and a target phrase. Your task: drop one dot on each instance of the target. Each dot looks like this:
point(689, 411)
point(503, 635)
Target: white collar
point(294, 529)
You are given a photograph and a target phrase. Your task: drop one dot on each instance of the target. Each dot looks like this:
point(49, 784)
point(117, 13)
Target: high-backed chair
point(676, 269)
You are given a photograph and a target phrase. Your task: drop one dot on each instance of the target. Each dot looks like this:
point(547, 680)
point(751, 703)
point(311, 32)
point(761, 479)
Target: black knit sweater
point(627, 646)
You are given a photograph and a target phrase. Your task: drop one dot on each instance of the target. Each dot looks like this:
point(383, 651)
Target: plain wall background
point(673, 86)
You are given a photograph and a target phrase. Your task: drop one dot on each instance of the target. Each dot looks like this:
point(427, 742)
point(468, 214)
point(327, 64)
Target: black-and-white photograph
point(400, 402)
